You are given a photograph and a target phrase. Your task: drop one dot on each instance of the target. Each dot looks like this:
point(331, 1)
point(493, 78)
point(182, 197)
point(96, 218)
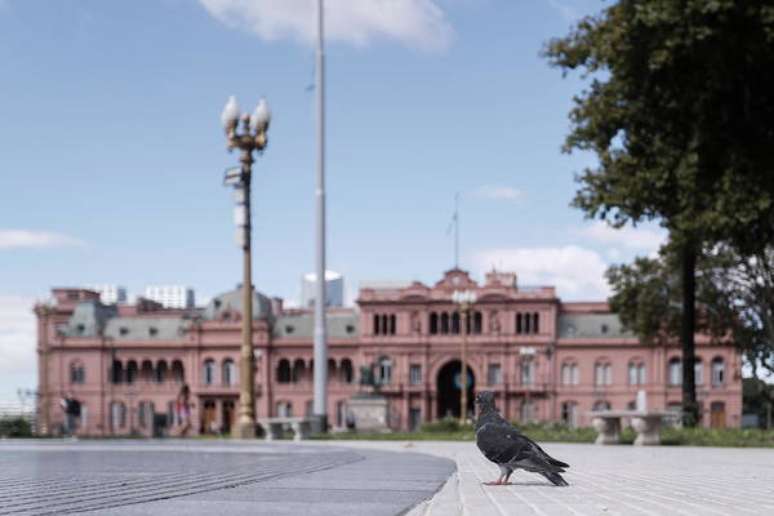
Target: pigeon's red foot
point(498, 482)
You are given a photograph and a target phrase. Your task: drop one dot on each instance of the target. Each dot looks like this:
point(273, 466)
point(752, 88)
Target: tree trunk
point(687, 331)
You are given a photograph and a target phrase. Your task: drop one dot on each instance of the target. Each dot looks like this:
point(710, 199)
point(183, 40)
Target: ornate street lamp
point(252, 137)
point(464, 300)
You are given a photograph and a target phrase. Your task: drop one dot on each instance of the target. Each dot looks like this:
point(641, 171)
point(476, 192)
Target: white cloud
point(21, 238)
point(500, 193)
point(576, 272)
point(17, 345)
point(643, 239)
point(417, 23)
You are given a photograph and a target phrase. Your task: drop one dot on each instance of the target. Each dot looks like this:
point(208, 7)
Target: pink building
point(546, 360)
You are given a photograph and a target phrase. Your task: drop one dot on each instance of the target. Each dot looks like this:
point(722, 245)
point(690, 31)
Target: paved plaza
point(372, 477)
point(605, 480)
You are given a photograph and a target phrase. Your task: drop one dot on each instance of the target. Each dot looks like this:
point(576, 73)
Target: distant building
point(171, 296)
point(546, 360)
point(109, 294)
point(334, 289)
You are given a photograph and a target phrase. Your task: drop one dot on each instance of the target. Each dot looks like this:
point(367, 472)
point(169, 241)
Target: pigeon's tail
point(559, 463)
point(555, 479)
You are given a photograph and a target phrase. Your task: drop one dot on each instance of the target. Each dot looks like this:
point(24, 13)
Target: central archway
point(449, 391)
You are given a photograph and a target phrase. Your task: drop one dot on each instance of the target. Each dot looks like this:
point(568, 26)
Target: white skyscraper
point(171, 296)
point(334, 289)
point(109, 294)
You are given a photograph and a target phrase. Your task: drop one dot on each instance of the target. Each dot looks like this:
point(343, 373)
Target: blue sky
point(112, 151)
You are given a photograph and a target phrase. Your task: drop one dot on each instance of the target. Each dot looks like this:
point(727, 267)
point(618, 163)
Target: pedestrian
point(183, 409)
point(72, 411)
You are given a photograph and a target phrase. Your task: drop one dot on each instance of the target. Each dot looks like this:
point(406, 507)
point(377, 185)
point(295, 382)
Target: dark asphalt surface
point(210, 477)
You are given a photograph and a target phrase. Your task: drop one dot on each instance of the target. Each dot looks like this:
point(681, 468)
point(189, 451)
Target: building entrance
point(449, 390)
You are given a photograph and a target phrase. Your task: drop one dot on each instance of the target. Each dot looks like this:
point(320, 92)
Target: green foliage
point(15, 427)
point(445, 425)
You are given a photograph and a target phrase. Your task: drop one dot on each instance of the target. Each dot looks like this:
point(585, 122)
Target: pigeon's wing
point(500, 443)
point(532, 458)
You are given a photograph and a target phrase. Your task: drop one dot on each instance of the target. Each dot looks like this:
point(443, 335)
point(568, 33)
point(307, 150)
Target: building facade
point(171, 296)
point(546, 360)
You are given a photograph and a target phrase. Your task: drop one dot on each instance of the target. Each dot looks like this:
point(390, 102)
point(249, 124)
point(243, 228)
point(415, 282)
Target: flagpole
point(320, 345)
point(456, 231)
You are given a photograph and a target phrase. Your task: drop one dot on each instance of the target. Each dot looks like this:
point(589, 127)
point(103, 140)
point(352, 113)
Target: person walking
point(72, 411)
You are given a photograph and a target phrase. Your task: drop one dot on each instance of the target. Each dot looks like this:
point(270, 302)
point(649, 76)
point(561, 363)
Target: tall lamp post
point(464, 299)
point(252, 137)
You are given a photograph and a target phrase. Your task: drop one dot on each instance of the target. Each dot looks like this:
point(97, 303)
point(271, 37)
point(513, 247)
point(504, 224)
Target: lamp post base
point(243, 429)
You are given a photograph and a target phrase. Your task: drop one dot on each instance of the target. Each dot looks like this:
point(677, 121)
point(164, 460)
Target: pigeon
point(504, 445)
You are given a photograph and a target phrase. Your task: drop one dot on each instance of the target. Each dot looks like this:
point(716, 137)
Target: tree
point(680, 113)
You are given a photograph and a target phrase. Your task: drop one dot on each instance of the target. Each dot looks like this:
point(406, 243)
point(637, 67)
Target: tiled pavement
point(605, 480)
point(210, 477)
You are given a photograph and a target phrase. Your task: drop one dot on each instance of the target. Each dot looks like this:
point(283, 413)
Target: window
point(433, 323)
point(123, 330)
point(117, 415)
point(393, 324)
point(718, 372)
point(415, 418)
point(346, 371)
point(494, 374)
point(146, 413)
point(229, 372)
point(415, 374)
point(208, 372)
point(642, 374)
point(477, 322)
point(570, 413)
point(284, 409)
point(153, 331)
point(636, 373)
point(444, 323)
point(698, 371)
point(384, 371)
point(161, 371)
point(289, 329)
point(455, 323)
point(77, 373)
point(299, 371)
point(675, 371)
point(518, 323)
point(570, 374)
point(178, 371)
point(283, 371)
point(603, 374)
point(535, 323)
point(527, 411)
point(131, 371)
point(527, 371)
point(601, 405)
point(377, 325)
point(604, 328)
point(350, 328)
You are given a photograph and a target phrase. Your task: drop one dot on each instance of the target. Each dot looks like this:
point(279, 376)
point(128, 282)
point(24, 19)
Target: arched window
point(146, 413)
point(444, 323)
point(718, 372)
point(455, 323)
point(535, 323)
point(299, 371)
point(117, 415)
point(178, 371)
point(569, 374)
point(526, 326)
point(384, 371)
point(433, 323)
point(477, 322)
point(570, 413)
point(393, 324)
point(146, 371)
point(283, 371)
point(518, 323)
point(229, 372)
point(642, 374)
point(698, 371)
point(208, 372)
point(131, 371)
point(331, 368)
point(284, 409)
point(161, 371)
point(345, 372)
point(77, 372)
point(601, 405)
point(675, 371)
point(385, 324)
point(117, 372)
point(377, 325)
point(603, 374)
